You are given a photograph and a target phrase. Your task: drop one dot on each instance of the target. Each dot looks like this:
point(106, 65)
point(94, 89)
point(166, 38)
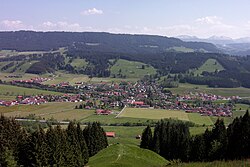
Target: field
point(9, 92)
point(79, 63)
point(211, 65)
point(125, 156)
point(131, 69)
point(181, 49)
point(161, 114)
point(238, 163)
point(227, 92)
point(154, 114)
point(157, 114)
point(59, 111)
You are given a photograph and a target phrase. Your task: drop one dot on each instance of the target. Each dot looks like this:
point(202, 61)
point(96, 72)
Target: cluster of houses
point(204, 97)
point(36, 80)
point(140, 94)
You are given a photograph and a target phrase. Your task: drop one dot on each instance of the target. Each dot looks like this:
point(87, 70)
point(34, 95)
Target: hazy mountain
point(240, 46)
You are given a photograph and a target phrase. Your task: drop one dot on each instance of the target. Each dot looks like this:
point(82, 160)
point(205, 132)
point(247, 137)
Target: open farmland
point(211, 65)
point(59, 111)
point(9, 92)
point(227, 92)
point(154, 114)
point(157, 114)
point(131, 69)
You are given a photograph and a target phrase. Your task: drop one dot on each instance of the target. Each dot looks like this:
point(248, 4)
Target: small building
point(110, 134)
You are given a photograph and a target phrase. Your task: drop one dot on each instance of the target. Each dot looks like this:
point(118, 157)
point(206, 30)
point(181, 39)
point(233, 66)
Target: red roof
point(138, 102)
point(110, 134)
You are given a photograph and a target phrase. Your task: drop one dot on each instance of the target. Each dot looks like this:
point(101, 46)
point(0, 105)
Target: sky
point(201, 18)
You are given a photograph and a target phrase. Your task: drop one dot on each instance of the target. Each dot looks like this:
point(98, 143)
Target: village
point(105, 97)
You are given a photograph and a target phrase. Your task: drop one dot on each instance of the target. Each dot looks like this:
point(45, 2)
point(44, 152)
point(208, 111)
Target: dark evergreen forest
point(54, 147)
point(171, 139)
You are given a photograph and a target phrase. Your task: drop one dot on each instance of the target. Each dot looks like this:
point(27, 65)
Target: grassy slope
point(242, 163)
point(11, 92)
point(186, 88)
point(126, 156)
point(154, 113)
point(181, 49)
point(131, 69)
point(79, 63)
point(59, 111)
point(211, 65)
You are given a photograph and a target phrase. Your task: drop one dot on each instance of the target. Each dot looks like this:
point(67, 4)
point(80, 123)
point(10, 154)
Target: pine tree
point(95, 138)
point(146, 139)
point(219, 141)
point(73, 149)
point(83, 145)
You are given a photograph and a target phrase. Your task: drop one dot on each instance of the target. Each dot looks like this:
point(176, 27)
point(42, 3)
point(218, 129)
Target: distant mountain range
point(240, 46)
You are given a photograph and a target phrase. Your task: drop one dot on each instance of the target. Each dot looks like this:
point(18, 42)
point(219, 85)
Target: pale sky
point(202, 18)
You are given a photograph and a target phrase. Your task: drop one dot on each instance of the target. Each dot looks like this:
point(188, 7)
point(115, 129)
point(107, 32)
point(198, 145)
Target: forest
point(171, 139)
point(52, 147)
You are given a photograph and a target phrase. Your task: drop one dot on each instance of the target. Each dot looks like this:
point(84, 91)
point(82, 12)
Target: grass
point(71, 78)
point(227, 92)
point(181, 49)
point(24, 76)
point(211, 65)
point(79, 63)
point(198, 130)
point(200, 120)
point(131, 69)
point(59, 111)
point(154, 114)
point(110, 119)
point(242, 107)
point(126, 156)
point(23, 68)
point(124, 134)
point(12, 91)
point(238, 163)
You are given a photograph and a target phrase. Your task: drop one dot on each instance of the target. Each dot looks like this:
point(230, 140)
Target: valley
point(123, 87)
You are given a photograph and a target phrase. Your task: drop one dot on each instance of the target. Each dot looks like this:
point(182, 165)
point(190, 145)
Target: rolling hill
point(126, 156)
point(99, 41)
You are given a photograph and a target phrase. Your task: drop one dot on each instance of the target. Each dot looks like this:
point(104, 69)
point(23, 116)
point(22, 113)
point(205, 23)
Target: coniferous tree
point(73, 149)
point(146, 139)
point(219, 141)
point(95, 138)
point(83, 145)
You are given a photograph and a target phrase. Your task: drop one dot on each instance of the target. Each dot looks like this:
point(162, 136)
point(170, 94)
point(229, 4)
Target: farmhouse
point(110, 134)
point(103, 112)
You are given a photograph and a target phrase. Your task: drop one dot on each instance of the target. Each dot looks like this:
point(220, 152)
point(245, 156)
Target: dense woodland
point(53, 147)
point(173, 141)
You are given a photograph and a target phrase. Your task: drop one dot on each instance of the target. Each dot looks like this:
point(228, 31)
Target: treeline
point(53, 147)
point(173, 141)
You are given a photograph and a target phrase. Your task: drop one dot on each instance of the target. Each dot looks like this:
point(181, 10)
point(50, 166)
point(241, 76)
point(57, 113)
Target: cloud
point(59, 26)
point(12, 24)
point(211, 20)
point(92, 11)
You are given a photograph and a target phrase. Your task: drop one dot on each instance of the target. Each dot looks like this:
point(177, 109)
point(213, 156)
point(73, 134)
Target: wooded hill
point(99, 41)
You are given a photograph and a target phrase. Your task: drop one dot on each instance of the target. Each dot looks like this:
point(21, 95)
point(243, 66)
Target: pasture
point(154, 114)
point(125, 155)
point(131, 69)
point(56, 110)
point(227, 92)
point(9, 92)
point(211, 65)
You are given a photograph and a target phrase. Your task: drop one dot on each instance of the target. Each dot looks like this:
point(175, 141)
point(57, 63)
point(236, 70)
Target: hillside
point(44, 41)
point(126, 156)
